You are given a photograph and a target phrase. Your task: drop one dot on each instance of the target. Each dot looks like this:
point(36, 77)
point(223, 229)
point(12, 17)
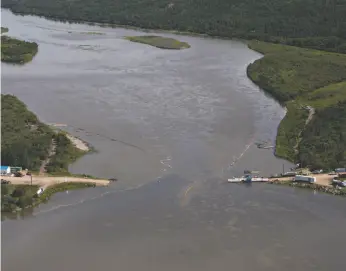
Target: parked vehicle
point(308, 179)
point(337, 182)
point(318, 171)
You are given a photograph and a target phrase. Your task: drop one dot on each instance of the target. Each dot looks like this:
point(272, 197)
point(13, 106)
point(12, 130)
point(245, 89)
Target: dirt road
point(321, 179)
point(48, 181)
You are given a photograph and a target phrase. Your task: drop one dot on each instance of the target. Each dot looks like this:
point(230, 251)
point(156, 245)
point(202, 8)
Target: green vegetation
point(65, 154)
point(299, 77)
point(289, 131)
point(4, 30)
point(17, 51)
point(60, 188)
point(26, 141)
point(17, 197)
point(317, 24)
point(160, 42)
point(92, 33)
point(288, 72)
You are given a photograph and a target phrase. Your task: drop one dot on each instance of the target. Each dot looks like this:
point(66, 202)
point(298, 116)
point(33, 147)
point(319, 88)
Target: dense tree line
point(24, 139)
point(309, 23)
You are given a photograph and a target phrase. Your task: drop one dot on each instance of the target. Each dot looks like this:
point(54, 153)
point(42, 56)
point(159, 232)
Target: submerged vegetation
point(317, 24)
point(160, 42)
point(300, 78)
point(4, 30)
point(17, 51)
point(93, 33)
point(26, 142)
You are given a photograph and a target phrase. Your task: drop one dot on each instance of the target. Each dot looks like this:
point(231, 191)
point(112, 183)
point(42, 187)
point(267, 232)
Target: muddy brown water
point(167, 124)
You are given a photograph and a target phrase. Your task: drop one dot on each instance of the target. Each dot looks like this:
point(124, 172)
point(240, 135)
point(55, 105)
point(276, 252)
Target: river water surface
point(167, 124)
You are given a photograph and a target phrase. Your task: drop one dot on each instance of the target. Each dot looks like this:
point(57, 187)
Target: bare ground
point(321, 179)
point(46, 181)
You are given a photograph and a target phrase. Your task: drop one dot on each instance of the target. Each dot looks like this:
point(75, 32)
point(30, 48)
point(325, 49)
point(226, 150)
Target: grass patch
point(17, 51)
point(326, 96)
point(297, 77)
point(159, 42)
point(288, 131)
point(289, 72)
point(92, 33)
point(61, 187)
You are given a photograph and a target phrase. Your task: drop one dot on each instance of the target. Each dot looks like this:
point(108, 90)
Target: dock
point(243, 180)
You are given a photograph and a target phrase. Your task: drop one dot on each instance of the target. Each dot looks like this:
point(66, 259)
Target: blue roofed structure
point(5, 170)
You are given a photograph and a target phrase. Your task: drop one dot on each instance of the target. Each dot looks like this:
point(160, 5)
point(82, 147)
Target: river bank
point(325, 188)
point(306, 82)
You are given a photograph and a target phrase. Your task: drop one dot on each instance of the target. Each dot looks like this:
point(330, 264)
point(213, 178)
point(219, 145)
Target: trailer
point(301, 178)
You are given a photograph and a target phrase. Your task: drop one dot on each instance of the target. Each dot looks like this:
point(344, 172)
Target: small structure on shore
point(5, 170)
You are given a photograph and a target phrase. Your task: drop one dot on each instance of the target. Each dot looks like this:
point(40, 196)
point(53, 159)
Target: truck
point(301, 178)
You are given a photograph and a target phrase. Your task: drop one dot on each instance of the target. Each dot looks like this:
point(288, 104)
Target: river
point(167, 124)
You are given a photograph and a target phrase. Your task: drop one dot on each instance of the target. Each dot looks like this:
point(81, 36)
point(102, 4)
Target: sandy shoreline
point(46, 181)
point(78, 143)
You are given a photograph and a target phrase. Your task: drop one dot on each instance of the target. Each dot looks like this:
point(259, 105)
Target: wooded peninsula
point(26, 142)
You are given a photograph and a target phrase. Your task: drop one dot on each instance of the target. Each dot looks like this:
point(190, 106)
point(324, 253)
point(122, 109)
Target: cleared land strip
point(46, 181)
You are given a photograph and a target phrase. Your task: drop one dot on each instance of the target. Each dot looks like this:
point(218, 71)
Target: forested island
point(17, 51)
point(159, 42)
point(310, 83)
